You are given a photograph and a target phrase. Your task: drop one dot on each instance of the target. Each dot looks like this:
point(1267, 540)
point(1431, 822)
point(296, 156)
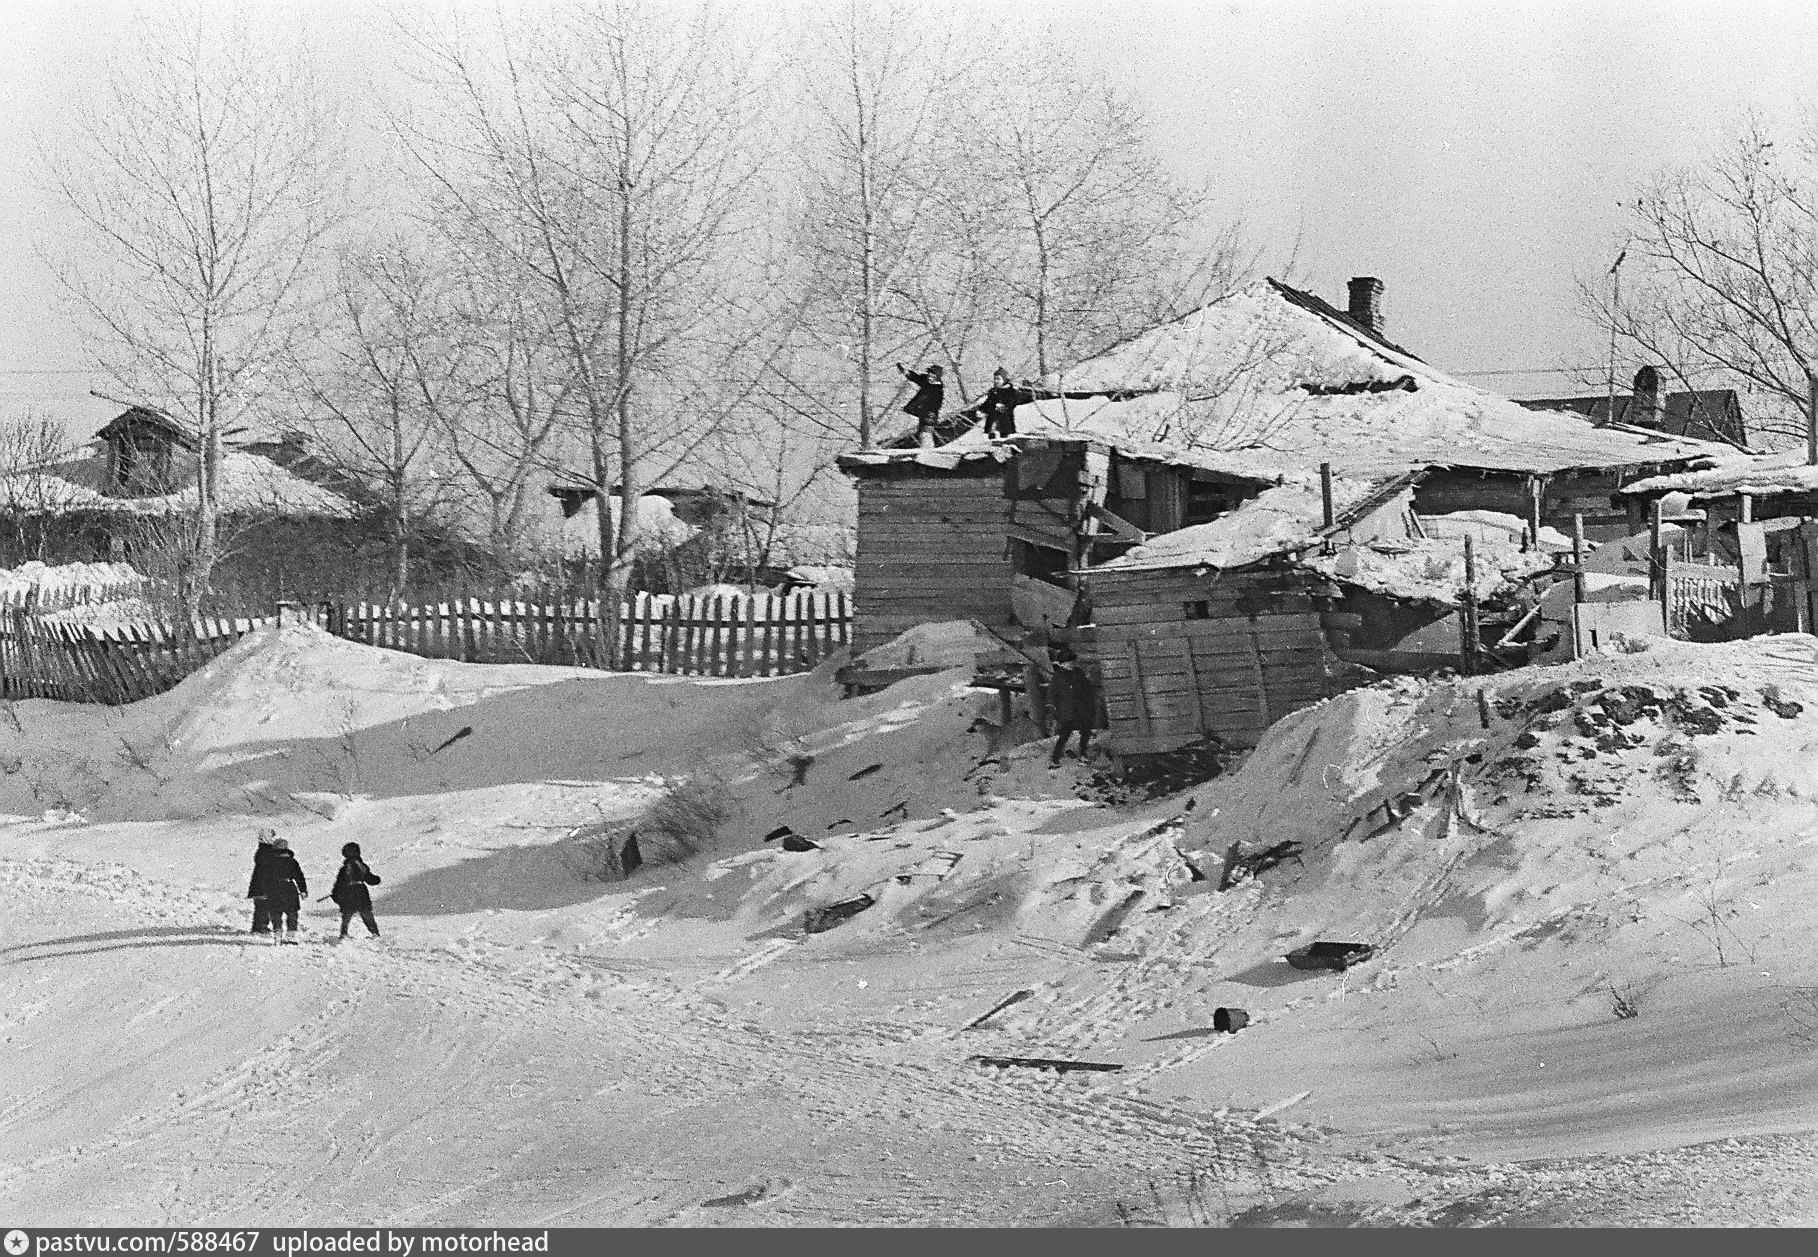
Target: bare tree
point(882, 88)
point(605, 157)
point(392, 377)
point(1093, 240)
point(205, 180)
point(33, 448)
point(1721, 270)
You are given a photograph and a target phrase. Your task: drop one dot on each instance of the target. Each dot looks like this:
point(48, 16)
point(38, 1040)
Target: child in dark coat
point(926, 404)
point(1074, 702)
point(282, 888)
point(350, 893)
point(261, 922)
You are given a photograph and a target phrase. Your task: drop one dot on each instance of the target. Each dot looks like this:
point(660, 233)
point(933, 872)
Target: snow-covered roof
point(249, 483)
point(1762, 475)
point(1279, 378)
point(1431, 569)
point(1287, 517)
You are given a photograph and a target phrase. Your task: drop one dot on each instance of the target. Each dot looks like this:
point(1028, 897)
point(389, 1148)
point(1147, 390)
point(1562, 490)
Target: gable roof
point(1283, 379)
point(248, 483)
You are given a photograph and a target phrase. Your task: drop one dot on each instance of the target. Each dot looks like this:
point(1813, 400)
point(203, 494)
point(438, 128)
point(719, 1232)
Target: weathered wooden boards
point(1185, 656)
point(929, 549)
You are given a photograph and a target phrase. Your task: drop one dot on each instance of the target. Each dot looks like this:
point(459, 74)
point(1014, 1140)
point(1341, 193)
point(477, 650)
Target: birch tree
point(604, 156)
point(393, 376)
point(882, 84)
point(204, 180)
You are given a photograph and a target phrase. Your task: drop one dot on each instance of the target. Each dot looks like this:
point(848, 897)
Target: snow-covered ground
point(530, 1045)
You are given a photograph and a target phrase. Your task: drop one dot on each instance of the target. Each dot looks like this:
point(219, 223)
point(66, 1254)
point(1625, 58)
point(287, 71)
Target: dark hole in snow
point(1229, 1020)
point(1328, 955)
point(795, 842)
point(781, 831)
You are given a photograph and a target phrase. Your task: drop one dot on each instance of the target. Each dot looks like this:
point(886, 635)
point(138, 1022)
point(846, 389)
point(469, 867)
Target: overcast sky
point(1473, 156)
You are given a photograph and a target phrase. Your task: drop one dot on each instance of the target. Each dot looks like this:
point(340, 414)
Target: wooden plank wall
point(1585, 493)
point(1169, 680)
point(930, 548)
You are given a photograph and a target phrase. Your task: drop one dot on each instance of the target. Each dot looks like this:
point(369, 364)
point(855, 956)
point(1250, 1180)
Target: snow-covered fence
point(80, 662)
point(760, 635)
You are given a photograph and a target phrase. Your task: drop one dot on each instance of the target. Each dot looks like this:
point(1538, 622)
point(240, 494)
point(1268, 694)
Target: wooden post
point(1745, 504)
point(1467, 620)
point(1534, 492)
point(1325, 501)
point(1656, 578)
point(1577, 558)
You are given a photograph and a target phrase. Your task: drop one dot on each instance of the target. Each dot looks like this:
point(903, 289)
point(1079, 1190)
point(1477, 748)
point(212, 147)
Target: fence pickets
point(42, 656)
point(758, 636)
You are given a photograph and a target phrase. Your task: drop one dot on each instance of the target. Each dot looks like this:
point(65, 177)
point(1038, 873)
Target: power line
point(48, 371)
point(1529, 371)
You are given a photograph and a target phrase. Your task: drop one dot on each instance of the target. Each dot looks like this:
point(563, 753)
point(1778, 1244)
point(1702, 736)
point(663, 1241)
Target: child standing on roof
point(926, 404)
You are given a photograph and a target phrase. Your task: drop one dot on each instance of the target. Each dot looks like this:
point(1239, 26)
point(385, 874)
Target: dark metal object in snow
point(820, 920)
point(795, 842)
point(1339, 956)
point(1040, 1062)
point(1229, 1020)
point(781, 831)
point(1015, 997)
point(465, 731)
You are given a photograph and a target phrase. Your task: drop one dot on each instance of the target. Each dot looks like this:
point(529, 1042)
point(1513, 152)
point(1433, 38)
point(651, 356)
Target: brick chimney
point(1647, 411)
point(1366, 302)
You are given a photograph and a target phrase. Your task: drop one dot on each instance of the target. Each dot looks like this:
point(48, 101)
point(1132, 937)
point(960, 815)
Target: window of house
point(1044, 563)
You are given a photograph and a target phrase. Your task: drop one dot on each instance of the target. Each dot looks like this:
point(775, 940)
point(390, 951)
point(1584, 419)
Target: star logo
point(17, 1242)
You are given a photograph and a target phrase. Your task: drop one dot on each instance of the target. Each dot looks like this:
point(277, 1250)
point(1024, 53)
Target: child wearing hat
point(350, 893)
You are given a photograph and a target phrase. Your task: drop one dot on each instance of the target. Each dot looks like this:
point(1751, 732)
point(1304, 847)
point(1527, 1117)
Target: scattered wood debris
point(1326, 955)
point(1042, 1062)
point(1015, 997)
point(820, 920)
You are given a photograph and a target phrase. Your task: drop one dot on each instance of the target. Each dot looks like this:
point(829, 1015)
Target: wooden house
point(1222, 629)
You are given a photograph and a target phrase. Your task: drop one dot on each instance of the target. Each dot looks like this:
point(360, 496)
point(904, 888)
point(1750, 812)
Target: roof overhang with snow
point(1765, 475)
point(1276, 376)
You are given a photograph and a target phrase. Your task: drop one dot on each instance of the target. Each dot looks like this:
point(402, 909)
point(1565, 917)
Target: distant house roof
point(1711, 414)
point(1285, 381)
point(248, 484)
point(150, 417)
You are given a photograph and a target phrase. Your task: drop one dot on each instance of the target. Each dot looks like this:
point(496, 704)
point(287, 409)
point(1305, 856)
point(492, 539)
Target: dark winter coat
point(261, 864)
point(926, 404)
point(1071, 699)
point(350, 887)
point(280, 883)
point(999, 407)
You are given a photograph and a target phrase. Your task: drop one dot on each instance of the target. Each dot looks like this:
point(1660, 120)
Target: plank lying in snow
point(1039, 1062)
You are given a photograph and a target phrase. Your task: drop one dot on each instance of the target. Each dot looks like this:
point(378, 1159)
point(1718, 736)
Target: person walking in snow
point(350, 893)
point(283, 888)
point(1074, 703)
point(261, 922)
point(926, 404)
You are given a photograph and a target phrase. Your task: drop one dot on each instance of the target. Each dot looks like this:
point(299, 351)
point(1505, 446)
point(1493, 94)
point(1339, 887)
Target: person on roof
point(926, 404)
point(1000, 405)
point(283, 889)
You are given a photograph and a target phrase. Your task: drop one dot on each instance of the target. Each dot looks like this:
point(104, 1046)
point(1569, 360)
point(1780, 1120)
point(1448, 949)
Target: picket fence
point(751, 636)
point(44, 654)
point(46, 657)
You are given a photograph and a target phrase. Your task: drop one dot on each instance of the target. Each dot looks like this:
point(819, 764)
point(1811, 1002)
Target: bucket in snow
point(1229, 1020)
